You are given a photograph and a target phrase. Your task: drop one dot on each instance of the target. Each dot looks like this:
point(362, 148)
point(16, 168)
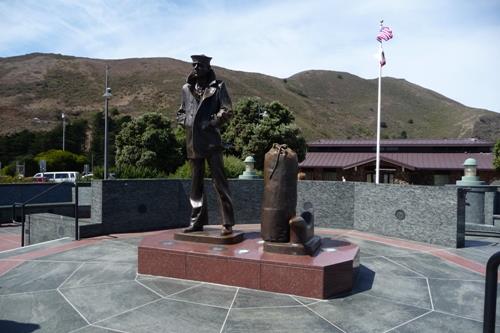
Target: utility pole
point(64, 131)
point(107, 95)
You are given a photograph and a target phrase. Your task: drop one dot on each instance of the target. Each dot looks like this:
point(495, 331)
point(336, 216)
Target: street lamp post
point(107, 95)
point(64, 130)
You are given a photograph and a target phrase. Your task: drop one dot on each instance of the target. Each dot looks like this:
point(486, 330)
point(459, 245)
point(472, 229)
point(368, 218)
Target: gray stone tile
point(105, 300)
point(369, 248)
point(307, 300)
point(402, 289)
point(40, 312)
point(472, 254)
point(249, 298)
point(106, 251)
point(33, 248)
point(385, 266)
point(462, 298)
point(95, 273)
point(208, 294)
point(130, 241)
point(166, 286)
point(169, 316)
point(94, 329)
point(436, 322)
point(363, 313)
point(433, 267)
point(295, 319)
point(35, 276)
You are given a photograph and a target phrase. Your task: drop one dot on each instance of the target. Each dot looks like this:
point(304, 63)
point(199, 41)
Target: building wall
point(415, 177)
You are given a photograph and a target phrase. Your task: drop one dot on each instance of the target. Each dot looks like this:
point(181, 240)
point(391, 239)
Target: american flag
point(384, 34)
point(382, 58)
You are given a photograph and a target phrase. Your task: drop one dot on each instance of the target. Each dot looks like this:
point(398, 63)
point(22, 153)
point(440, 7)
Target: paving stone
point(33, 248)
point(434, 267)
point(362, 313)
point(369, 248)
point(40, 312)
point(35, 276)
point(462, 298)
point(106, 251)
point(102, 301)
point(96, 273)
point(249, 298)
point(307, 300)
point(435, 322)
point(208, 294)
point(167, 316)
point(166, 286)
point(407, 290)
point(94, 329)
point(293, 319)
point(385, 266)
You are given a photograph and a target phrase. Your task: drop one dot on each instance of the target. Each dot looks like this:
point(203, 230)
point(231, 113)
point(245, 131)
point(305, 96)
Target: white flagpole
point(377, 157)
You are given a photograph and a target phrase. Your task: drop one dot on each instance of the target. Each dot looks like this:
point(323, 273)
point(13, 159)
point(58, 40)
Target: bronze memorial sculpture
point(287, 258)
point(205, 106)
point(283, 231)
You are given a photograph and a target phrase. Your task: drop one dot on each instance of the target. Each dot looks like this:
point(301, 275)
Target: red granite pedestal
point(245, 264)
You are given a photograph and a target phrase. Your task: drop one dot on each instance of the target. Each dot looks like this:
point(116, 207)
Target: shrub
point(233, 167)
point(60, 160)
point(138, 172)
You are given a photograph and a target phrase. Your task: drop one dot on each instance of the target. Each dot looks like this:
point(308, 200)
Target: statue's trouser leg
point(199, 215)
point(221, 186)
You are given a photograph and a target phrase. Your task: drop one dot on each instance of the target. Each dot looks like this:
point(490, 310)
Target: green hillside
point(36, 88)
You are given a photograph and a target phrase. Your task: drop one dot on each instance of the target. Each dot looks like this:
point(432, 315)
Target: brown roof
point(430, 161)
point(402, 143)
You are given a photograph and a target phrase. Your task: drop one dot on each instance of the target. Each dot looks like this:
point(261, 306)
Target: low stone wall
point(139, 205)
point(45, 227)
point(332, 202)
point(421, 213)
point(21, 192)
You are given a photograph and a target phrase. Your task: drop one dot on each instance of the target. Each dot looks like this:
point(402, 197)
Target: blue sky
point(452, 47)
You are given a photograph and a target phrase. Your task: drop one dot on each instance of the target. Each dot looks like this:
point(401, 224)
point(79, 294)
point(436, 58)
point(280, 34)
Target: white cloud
point(448, 46)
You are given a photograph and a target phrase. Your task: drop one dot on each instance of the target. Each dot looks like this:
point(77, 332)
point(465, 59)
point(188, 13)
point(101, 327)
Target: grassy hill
point(36, 88)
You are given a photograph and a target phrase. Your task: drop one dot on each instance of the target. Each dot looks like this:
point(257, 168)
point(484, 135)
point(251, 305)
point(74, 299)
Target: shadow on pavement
point(14, 326)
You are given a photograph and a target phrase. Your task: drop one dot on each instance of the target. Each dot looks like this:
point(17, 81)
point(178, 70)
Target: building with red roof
point(423, 162)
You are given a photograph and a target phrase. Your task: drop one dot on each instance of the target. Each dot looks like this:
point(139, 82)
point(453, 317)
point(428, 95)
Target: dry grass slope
point(327, 104)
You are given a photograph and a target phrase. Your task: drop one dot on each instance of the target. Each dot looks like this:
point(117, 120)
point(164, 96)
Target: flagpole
point(377, 156)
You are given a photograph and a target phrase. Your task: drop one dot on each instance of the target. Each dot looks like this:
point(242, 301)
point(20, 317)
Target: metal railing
point(22, 205)
point(490, 293)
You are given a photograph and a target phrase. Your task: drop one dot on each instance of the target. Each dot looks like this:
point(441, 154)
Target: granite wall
point(421, 213)
point(139, 205)
point(332, 202)
point(45, 227)
point(10, 193)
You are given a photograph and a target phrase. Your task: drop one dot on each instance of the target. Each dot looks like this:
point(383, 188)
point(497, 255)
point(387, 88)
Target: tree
point(62, 160)
point(148, 141)
point(97, 135)
point(496, 155)
point(255, 126)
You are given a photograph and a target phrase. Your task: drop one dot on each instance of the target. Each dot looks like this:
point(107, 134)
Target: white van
point(58, 176)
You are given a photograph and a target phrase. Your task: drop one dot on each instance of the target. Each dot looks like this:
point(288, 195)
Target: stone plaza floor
point(92, 285)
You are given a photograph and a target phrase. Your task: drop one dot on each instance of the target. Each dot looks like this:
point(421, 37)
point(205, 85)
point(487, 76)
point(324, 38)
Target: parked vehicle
point(57, 176)
point(88, 177)
point(40, 178)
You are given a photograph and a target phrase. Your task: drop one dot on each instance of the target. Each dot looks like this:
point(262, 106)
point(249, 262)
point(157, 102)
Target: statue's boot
point(199, 218)
point(226, 230)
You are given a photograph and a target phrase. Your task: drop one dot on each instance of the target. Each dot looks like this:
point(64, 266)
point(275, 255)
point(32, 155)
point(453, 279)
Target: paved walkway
point(92, 286)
